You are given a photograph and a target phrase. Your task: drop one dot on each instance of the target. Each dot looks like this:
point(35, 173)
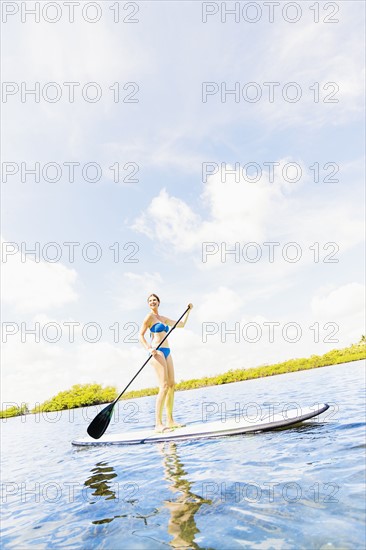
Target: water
point(295, 488)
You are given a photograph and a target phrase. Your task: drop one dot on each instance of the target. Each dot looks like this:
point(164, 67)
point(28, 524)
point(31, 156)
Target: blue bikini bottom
point(166, 351)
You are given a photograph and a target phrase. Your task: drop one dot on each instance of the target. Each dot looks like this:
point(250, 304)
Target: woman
point(161, 360)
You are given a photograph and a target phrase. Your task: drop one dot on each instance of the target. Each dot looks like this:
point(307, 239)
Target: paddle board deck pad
point(220, 428)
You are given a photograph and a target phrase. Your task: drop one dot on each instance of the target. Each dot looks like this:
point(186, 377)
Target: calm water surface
point(297, 488)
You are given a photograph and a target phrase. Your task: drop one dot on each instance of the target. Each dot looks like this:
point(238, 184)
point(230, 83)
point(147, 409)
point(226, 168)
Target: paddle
point(98, 426)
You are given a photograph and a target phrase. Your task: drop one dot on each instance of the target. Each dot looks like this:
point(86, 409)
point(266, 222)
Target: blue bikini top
point(159, 327)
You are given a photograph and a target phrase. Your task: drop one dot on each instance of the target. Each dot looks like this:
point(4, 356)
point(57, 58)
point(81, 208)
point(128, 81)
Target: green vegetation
point(94, 394)
point(353, 353)
point(78, 396)
point(14, 411)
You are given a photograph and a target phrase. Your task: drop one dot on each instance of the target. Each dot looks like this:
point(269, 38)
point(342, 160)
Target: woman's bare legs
point(160, 366)
point(164, 369)
point(169, 402)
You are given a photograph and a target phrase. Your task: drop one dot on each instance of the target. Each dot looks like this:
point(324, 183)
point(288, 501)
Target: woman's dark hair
point(156, 296)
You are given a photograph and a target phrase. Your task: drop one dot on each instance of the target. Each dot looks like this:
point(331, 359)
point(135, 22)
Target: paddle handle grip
point(150, 356)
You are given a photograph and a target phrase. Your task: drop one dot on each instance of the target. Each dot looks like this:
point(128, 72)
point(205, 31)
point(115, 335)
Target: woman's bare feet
point(175, 425)
point(160, 428)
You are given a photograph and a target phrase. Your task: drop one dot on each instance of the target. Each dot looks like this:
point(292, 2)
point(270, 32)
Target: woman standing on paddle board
point(161, 360)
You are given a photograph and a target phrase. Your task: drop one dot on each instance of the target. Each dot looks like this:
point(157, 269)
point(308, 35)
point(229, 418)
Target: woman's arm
point(181, 324)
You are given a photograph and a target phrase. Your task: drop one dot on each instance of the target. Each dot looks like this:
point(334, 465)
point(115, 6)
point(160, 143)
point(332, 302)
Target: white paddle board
point(220, 428)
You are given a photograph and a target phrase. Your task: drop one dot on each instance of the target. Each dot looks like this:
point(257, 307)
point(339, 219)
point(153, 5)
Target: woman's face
point(153, 302)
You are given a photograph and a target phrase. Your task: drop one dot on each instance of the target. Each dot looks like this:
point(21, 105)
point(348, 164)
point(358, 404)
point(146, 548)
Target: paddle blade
point(98, 426)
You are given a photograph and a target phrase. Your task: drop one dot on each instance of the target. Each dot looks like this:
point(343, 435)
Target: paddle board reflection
point(185, 504)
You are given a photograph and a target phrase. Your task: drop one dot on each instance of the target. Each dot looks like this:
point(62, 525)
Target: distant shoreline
point(333, 357)
point(94, 394)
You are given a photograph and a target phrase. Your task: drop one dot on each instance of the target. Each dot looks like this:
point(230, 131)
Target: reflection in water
point(182, 525)
point(100, 481)
point(103, 486)
point(182, 507)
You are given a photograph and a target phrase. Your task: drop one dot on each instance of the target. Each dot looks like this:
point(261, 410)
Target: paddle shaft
point(150, 356)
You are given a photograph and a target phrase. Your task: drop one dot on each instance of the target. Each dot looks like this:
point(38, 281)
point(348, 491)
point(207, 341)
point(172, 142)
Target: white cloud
point(33, 372)
point(249, 212)
point(332, 55)
point(166, 152)
point(345, 306)
point(237, 211)
point(304, 52)
point(343, 301)
point(169, 220)
point(132, 289)
point(77, 53)
point(219, 304)
point(31, 287)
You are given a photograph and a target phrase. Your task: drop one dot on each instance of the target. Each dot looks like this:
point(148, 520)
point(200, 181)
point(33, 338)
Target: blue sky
point(170, 211)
